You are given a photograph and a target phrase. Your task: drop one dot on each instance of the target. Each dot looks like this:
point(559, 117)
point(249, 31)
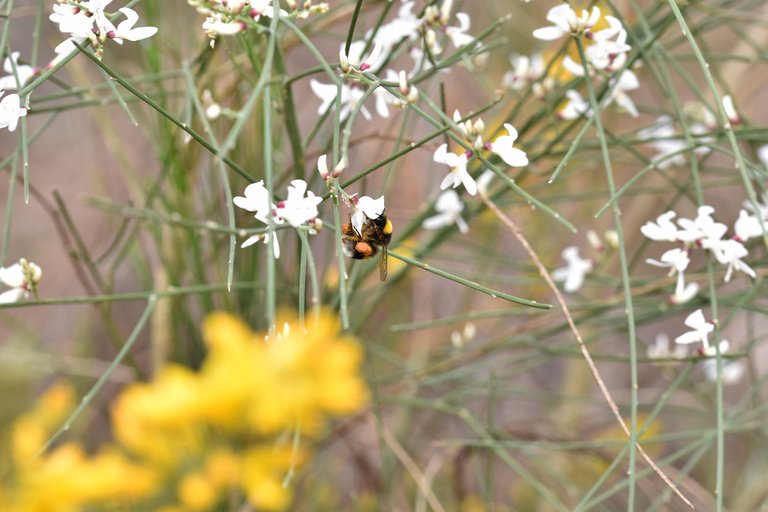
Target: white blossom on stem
point(700, 330)
point(503, 146)
point(23, 71)
point(564, 21)
point(449, 207)
point(663, 230)
point(11, 111)
point(576, 268)
point(459, 174)
point(22, 278)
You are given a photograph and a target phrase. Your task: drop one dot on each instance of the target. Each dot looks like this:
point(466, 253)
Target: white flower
point(354, 58)
point(671, 148)
point(702, 229)
point(458, 35)
point(574, 271)
point(730, 253)
point(685, 294)
point(449, 206)
point(574, 107)
point(525, 70)
point(484, 181)
point(502, 146)
point(125, 28)
point(748, 226)
point(256, 200)
point(565, 21)
point(459, 173)
point(627, 81)
point(404, 26)
point(23, 71)
point(350, 96)
point(215, 24)
point(11, 111)
point(699, 332)
point(22, 278)
point(366, 207)
point(660, 349)
point(732, 371)
point(297, 209)
point(663, 230)
point(261, 8)
point(677, 260)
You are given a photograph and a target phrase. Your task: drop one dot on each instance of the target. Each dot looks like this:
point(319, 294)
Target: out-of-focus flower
point(663, 230)
point(350, 96)
point(677, 260)
point(65, 478)
point(458, 35)
point(670, 147)
point(449, 208)
point(661, 350)
point(216, 24)
point(574, 107)
point(23, 71)
point(503, 146)
point(459, 174)
point(732, 371)
point(703, 229)
point(11, 111)
point(684, 293)
point(576, 268)
point(700, 330)
point(366, 207)
point(730, 253)
point(749, 226)
point(565, 22)
point(627, 81)
point(525, 71)
point(216, 435)
point(22, 278)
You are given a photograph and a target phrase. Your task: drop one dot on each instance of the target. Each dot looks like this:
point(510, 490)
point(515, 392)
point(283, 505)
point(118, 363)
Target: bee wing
point(383, 263)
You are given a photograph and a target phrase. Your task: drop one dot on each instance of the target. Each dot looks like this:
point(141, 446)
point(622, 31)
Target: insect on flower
point(373, 237)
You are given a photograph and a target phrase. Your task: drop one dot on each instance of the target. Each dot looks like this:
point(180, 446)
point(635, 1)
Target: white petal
point(548, 33)
point(12, 276)
point(11, 296)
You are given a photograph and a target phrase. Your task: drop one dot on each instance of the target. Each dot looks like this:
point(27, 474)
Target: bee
point(373, 238)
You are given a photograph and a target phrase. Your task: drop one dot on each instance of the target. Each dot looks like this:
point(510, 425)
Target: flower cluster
point(194, 440)
point(604, 57)
point(700, 330)
point(87, 20)
point(704, 232)
point(22, 278)
point(502, 146)
point(671, 147)
point(421, 33)
point(228, 17)
point(64, 478)
point(298, 209)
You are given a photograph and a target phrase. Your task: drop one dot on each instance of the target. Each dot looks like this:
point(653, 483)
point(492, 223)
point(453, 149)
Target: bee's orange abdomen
point(364, 248)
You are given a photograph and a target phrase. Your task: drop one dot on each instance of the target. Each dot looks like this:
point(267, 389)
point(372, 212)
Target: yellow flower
point(293, 379)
